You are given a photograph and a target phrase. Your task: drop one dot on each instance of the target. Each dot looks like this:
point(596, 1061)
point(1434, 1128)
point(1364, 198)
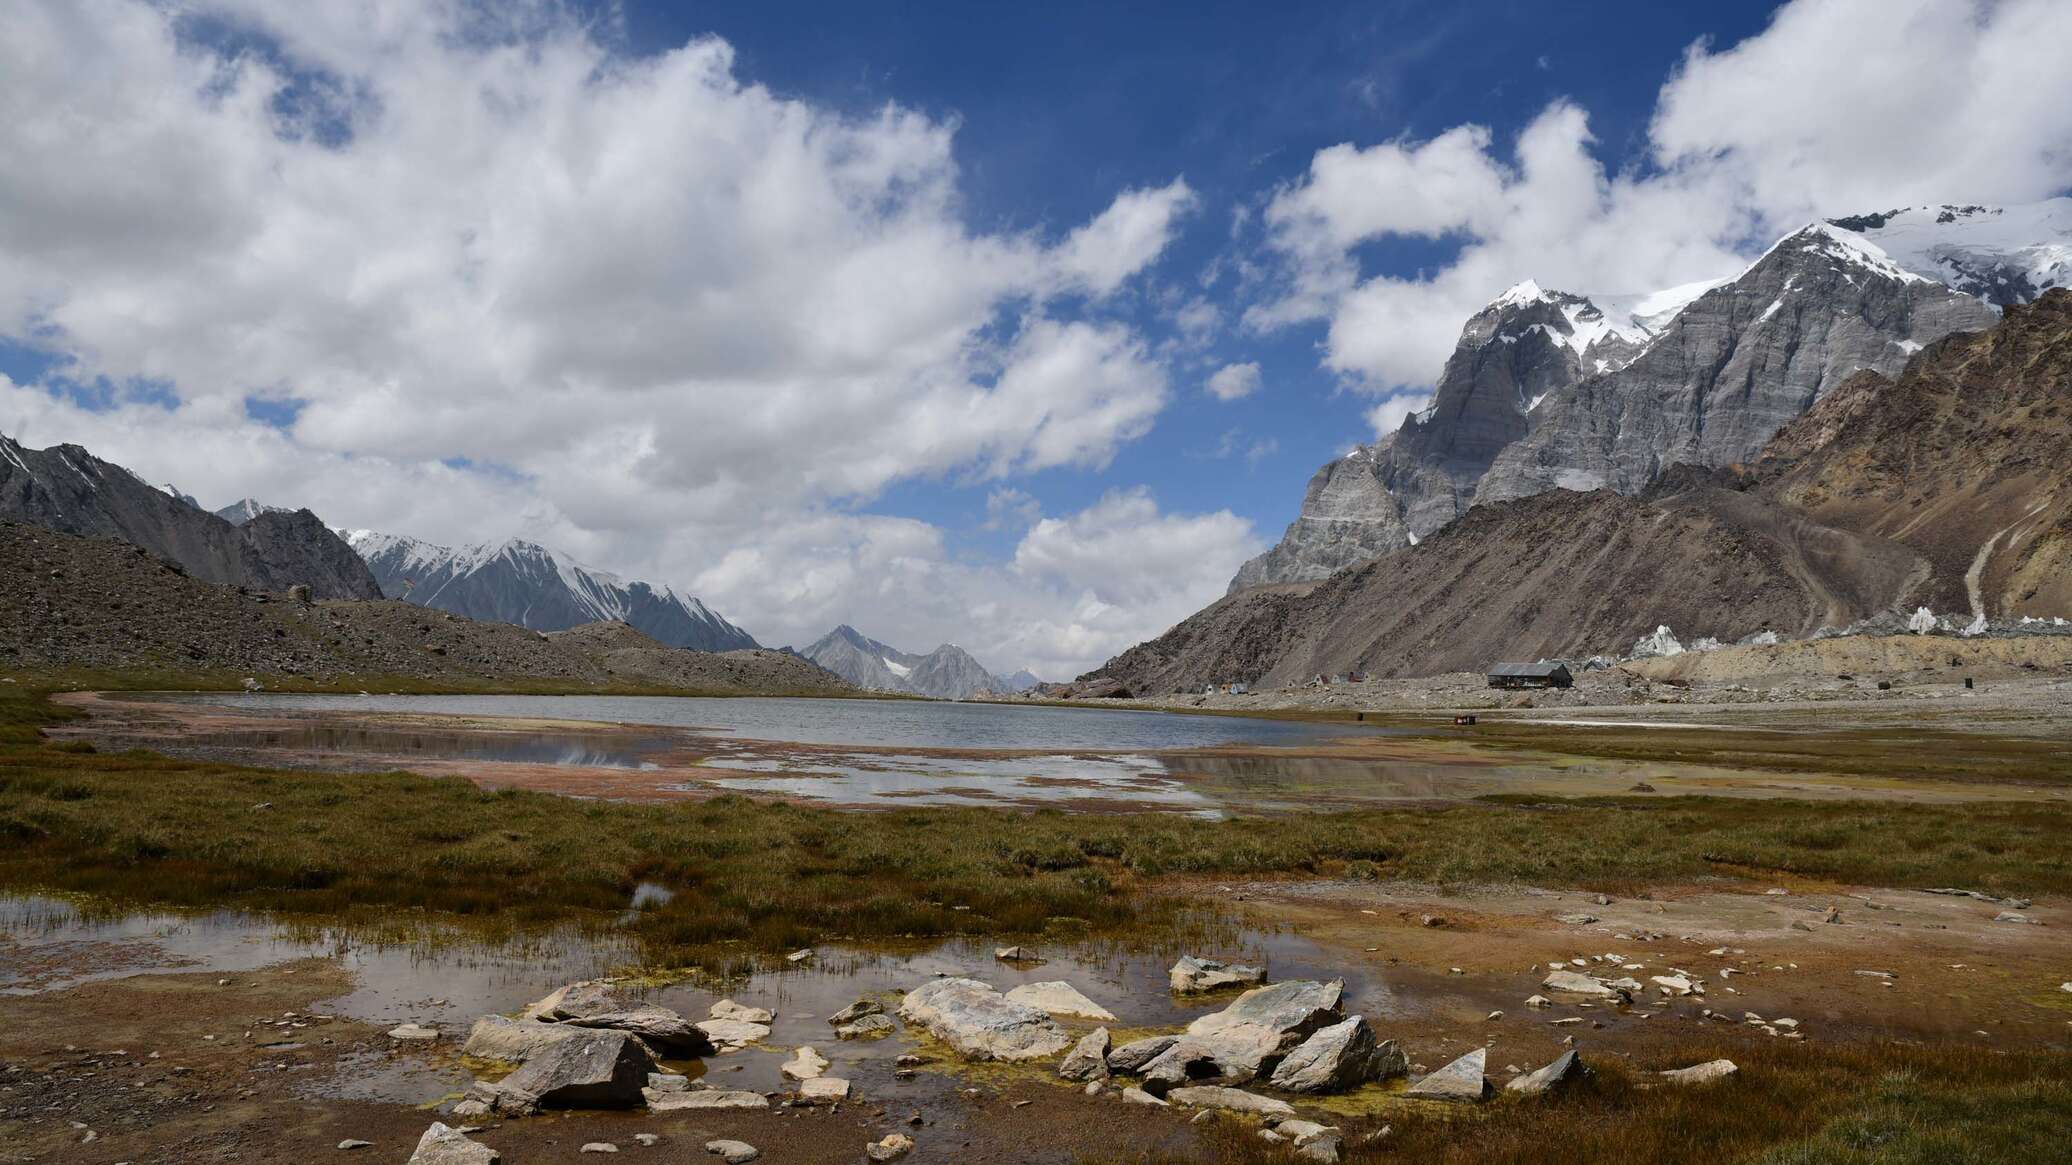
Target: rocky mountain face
point(949, 672)
point(529, 585)
point(1943, 487)
point(67, 489)
point(1548, 389)
point(1965, 458)
point(238, 513)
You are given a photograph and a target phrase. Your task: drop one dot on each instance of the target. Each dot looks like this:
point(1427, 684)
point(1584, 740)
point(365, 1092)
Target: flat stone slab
point(732, 1034)
point(413, 1032)
point(1131, 1057)
point(1576, 983)
point(1231, 1100)
point(804, 1064)
point(824, 1090)
point(1461, 1081)
point(733, 1152)
point(704, 1098)
point(1059, 998)
point(982, 1024)
point(728, 1009)
point(869, 1027)
point(513, 1040)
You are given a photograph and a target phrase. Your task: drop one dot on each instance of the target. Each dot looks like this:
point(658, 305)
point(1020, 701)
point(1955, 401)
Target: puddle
point(447, 981)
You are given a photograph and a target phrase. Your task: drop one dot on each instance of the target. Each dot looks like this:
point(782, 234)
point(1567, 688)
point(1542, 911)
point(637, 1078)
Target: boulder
point(1341, 1056)
point(1016, 955)
point(704, 1098)
point(1567, 1069)
point(1231, 1100)
point(1576, 983)
point(870, 1027)
point(804, 1064)
point(980, 1023)
point(1191, 974)
point(598, 1069)
point(444, 1146)
point(1139, 1096)
point(1248, 1037)
point(1088, 1059)
point(1131, 1057)
point(1059, 998)
point(1462, 1080)
point(513, 1040)
point(668, 1082)
point(1704, 1073)
point(733, 1152)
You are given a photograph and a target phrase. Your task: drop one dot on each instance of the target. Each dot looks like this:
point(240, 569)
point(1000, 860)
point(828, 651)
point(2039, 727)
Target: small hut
point(1530, 675)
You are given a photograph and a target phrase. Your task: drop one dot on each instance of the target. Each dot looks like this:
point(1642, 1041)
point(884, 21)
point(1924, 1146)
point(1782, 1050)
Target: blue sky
point(1059, 105)
point(901, 317)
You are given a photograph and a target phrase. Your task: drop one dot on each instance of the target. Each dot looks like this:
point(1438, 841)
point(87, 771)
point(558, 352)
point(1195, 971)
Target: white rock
point(1193, 974)
point(733, 1152)
point(1702, 1073)
point(1059, 998)
point(728, 1009)
point(889, 1148)
point(982, 1024)
point(805, 1064)
point(444, 1146)
point(704, 1098)
point(599, 1147)
point(413, 1032)
point(824, 1090)
point(1230, 1100)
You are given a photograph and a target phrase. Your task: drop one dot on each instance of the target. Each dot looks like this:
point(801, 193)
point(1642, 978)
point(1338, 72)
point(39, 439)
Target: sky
point(1014, 326)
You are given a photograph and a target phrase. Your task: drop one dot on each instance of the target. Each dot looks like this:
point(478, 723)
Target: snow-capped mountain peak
point(522, 582)
point(2001, 254)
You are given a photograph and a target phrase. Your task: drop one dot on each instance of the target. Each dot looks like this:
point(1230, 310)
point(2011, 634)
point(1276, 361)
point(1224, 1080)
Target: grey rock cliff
point(67, 489)
point(1551, 390)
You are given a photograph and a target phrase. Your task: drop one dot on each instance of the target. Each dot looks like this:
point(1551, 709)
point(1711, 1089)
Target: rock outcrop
point(980, 1023)
point(69, 490)
point(1552, 390)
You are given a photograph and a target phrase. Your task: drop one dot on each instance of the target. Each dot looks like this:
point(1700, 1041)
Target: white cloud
point(519, 283)
point(1126, 237)
point(1233, 381)
point(1840, 106)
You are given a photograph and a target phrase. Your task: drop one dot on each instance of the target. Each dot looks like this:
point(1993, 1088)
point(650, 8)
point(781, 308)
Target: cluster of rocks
point(588, 1046)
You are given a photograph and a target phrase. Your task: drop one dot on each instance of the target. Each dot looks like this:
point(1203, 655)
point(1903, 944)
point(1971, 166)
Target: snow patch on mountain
point(522, 582)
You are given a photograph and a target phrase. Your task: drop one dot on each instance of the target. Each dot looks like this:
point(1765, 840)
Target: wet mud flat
point(220, 1036)
point(1323, 767)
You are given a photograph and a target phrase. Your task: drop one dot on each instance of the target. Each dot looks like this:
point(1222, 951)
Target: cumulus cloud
point(503, 279)
point(1233, 381)
point(1840, 106)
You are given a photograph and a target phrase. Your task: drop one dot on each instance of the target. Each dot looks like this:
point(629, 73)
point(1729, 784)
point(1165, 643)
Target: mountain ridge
point(67, 489)
point(530, 585)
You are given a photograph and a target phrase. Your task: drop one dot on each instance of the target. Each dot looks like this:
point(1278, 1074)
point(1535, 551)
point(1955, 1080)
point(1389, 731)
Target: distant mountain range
point(1550, 389)
point(1942, 486)
point(949, 672)
point(67, 489)
point(530, 585)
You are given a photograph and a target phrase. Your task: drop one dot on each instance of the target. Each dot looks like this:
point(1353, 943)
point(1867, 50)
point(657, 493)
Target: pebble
point(599, 1147)
point(350, 1143)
